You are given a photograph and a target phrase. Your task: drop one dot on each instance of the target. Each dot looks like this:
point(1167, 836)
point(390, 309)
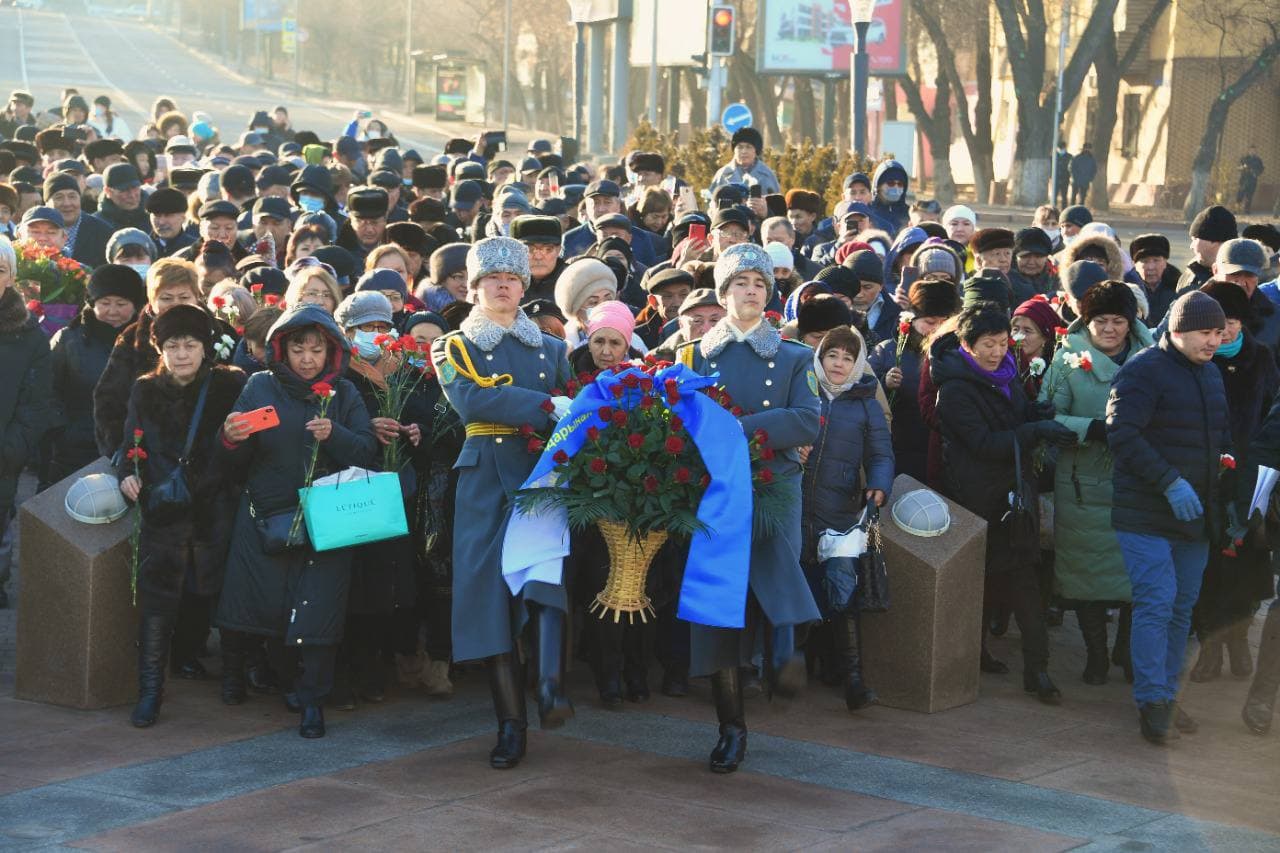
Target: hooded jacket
point(1071, 254)
point(898, 213)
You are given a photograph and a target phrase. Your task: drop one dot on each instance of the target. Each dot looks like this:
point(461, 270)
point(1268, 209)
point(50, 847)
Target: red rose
point(670, 386)
point(704, 481)
point(635, 441)
point(650, 483)
point(560, 457)
point(556, 392)
point(766, 453)
point(256, 288)
point(682, 475)
point(219, 303)
point(585, 378)
point(526, 430)
point(736, 411)
point(646, 384)
point(547, 406)
point(592, 433)
point(761, 436)
point(766, 475)
point(598, 466)
point(572, 387)
point(617, 391)
point(674, 444)
point(535, 444)
point(619, 418)
point(631, 380)
point(137, 435)
point(605, 413)
point(676, 423)
point(646, 403)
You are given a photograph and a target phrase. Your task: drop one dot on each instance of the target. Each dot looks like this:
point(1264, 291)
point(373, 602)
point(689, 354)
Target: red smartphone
point(697, 231)
point(260, 419)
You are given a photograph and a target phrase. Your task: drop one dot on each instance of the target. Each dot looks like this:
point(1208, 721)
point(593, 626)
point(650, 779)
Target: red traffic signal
point(722, 31)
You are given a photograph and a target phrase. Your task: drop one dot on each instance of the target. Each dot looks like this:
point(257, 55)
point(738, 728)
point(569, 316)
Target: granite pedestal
point(923, 654)
point(76, 622)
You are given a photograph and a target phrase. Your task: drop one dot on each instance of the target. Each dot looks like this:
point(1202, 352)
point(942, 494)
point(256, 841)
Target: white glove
point(562, 407)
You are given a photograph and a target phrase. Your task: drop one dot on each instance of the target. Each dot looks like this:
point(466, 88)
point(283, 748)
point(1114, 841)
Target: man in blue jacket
point(1167, 428)
point(889, 206)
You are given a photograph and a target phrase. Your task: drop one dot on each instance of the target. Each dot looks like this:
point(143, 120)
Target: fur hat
point(934, 297)
point(1196, 312)
point(1216, 224)
point(988, 285)
point(806, 200)
point(1109, 297)
point(989, 239)
point(579, 280)
point(183, 321)
point(1080, 276)
point(1032, 241)
point(751, 136)
point(1231, 296)
point(822, 313)
point(740, 258)
point(117, 280)
point(448, 260)
point(841, 279)
point(1149, 246)
point(497, 255)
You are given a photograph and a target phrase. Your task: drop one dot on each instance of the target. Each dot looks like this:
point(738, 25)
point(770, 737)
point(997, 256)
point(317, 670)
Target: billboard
point(816, 37)
point(682, 32)
point(264, 15)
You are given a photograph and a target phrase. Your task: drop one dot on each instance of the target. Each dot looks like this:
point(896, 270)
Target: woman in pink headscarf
point(610, 326)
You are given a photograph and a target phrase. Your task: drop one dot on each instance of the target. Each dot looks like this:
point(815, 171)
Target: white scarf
point(859, 368)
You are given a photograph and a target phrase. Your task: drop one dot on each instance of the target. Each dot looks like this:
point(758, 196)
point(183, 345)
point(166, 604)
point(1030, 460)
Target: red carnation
point(605, 413)
point(526, 430)
point(592, 433)
point(556, 392)
point(219, 302)
point(535, 444)
point(766, 475)
point(1060, 331)
point(619, 418)
point(1227, 461)
point(137, 435)
point(904, 327)
point(598, 466)
point(650, 483)
point(682, 475)
point(674, 444)
point(272, 300)
point(617, 391)
point(560, 457)
point(383, 340)
point(635, 441)
point(547, 406)
point(256, 288)
point(322, 390)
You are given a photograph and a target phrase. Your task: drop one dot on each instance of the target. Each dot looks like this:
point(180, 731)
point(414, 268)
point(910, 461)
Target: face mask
point(140, 269)
point(262, 130)
point(100, 112)
point(365, 346)
point(1067, 240)
point(311, 203)
point(891, 194)
point(1053, 233)
point(373, 135)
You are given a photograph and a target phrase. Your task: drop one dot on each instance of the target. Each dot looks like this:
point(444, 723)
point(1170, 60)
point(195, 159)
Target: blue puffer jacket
point(1166, 418)
point(853, 436)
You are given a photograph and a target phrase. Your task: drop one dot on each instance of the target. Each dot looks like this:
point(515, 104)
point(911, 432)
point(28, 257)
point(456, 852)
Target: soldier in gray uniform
point(498, 371)
point(773, 382)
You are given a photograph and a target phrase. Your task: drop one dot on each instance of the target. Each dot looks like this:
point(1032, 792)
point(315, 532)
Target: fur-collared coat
point(190, 551)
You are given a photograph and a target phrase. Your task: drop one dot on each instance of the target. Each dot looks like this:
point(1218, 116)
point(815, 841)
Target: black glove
point(1041, 410)
point(1027, 433)
point(1052, 432)
point(1097, 431)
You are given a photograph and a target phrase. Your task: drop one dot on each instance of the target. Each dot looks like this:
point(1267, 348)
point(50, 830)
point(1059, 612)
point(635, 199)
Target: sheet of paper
point(1267, 478)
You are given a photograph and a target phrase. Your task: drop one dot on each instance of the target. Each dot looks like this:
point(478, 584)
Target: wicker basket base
point(629, 560)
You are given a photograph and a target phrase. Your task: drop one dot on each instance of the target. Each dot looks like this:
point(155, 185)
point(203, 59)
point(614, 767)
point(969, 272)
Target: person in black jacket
point(182, 550)
point(1083, 168)
point(983, 413)
point(87, 234)
point(80, 352)
point(1167, 428)
point(25, 405)
point(1150, 254)
point(1259, 706)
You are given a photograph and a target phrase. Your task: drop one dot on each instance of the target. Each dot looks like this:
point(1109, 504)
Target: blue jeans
point(1165, 575)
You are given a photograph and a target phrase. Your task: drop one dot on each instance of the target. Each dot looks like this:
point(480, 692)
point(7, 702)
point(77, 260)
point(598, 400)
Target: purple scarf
point(1002, 377)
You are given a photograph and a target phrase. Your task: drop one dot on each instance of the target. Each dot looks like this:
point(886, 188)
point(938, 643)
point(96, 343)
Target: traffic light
point(722, 26)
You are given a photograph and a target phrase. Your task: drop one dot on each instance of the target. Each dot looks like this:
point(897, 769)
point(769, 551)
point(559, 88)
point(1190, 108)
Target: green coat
point(1088, 565)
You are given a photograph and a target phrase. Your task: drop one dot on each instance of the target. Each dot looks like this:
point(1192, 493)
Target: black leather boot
point(848, 636)
point(1260, 705)
point(554, 706)
point(607, 661)
point(1039, 683)
point(234, 685)
point(1093, 628)
point(1238, 653)
point(635, 671)
point(506, 682)
point(1154, 719)
point(312, 724)
point(1209, 662)
point(154, 635)
point(1121, 655)
point(259, 674)
point(989, 663)
point(731, 749)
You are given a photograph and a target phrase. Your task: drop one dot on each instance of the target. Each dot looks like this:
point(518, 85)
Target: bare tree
point(936, 127)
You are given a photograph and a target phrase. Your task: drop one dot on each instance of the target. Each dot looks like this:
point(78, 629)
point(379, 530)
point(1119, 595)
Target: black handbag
point(1020, 523)
point(170, 499)
point(274, 530)
point(873, 575)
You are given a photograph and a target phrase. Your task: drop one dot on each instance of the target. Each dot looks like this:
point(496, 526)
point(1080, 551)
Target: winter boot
point(635, 671)
point(506, 683)
point(1238, 653)
point(1261, 702)
point(607, 661)
point(1209, 662)
point(848, 637)
point(1153, 719)
point(235, 687)
point(989, 663)
point(731, 749)
point(1121, 655)
point(259, 674)
point(554, 706)
point(1093, 628)
point(154, 635)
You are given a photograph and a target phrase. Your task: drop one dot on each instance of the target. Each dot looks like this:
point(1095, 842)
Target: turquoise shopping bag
point(353, 507)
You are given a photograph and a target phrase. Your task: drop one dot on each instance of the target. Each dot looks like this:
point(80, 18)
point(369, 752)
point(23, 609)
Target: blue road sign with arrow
point(735, 117)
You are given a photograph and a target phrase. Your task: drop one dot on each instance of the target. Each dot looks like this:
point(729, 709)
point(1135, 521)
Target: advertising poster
point(816, 37)
point(451, 93)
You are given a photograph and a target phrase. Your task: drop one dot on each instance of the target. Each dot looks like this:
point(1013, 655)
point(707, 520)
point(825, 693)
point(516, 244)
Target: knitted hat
point(579, 280)
point(1032, 241)
point(989, 285)
point(934, 297)
point(117, 280)
point(805, 200)
point(419, 317)
point(1110, 297)
point(366, 306)
point(383, 279)
point(937, 257)
point(59, 181)
point(181, 321)
point(1265, 233)
point(842, 279)
point(1196, 312)
point(740, 258)
point(1215, 224)
point(497, 255)
point(612, 315)
point(781, 256)
point(822, 313)
point(1149, 246)
point(448, 260)
point(865, 265)
point(1040, 312)
point(988, 239)
point(1231, 296)
point(1082, 275)
point(959, 211)
point(1077, 215)
point(130, 237)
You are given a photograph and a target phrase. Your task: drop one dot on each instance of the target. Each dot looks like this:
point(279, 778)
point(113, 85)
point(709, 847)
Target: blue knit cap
point(383, 279)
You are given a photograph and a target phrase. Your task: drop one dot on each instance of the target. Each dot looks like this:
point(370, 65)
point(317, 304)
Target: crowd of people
point(878, 337)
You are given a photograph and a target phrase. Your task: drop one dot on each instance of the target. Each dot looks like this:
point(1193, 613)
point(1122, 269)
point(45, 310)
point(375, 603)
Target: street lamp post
point(579, 11)
point(860, 12)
